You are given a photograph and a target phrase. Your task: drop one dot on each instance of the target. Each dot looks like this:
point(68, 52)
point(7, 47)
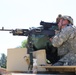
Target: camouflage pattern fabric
point(65, 40)
point(68, 59)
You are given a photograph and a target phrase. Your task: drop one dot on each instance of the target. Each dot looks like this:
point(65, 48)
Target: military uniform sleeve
point(62, 36)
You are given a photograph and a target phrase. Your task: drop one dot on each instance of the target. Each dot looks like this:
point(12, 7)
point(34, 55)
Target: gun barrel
point(20, 32)
point(6, 29)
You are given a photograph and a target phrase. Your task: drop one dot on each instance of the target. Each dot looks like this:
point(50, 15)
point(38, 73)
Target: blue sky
point(28, 13)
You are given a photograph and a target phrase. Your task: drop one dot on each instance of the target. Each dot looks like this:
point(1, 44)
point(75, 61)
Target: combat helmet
point(69, 18)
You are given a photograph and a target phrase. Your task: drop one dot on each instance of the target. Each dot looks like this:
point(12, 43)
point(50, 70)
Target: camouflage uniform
point(65, 40)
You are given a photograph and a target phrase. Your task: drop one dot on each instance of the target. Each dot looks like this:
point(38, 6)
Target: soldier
point(65, 40)
point(58, 18)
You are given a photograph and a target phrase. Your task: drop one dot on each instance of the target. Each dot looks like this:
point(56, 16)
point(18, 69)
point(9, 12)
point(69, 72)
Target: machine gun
point(46, 29)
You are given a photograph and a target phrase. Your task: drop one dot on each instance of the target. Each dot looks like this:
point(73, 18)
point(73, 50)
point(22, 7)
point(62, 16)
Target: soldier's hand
point(51, 39)
point(57, 31)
